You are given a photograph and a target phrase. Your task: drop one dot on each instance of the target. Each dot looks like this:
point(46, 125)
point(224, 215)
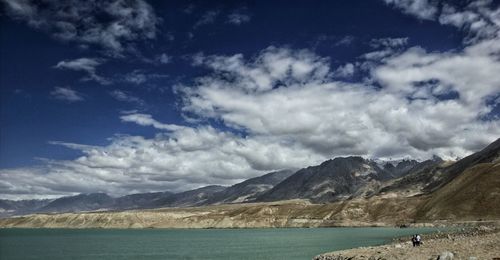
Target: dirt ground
point(479, 243)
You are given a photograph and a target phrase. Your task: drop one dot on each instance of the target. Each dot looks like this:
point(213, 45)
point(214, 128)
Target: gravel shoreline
point(475, 243)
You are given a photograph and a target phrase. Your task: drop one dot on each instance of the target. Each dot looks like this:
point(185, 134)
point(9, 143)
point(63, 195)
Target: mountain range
point(469, 187)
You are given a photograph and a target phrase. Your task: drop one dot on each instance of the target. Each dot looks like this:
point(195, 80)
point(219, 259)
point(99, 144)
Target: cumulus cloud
point(87, 65)
point(66, 94)
point(184, 158)
point(269, 96)
point(480, 19)
point(110, 24)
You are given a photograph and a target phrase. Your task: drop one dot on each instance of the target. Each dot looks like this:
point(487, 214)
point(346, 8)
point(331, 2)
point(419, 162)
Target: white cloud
point(389, 42)
point(139, 77)
point(346, 40)
point(87, 65)
point(345, 71)
point(480, 19)
point(125, 97)
point(266, 97)
point(184, 158)
point(110, 24)
point(81, 64)
point(238, 17)
point(66, 94)
point(273, 67)
point(164, 58)
point(147, 120)
point(423, 9)
point(207, 18)
point(136, 77)
point(471, 75)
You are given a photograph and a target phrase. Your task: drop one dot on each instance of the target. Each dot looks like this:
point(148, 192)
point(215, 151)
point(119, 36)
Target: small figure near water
point(416, 240)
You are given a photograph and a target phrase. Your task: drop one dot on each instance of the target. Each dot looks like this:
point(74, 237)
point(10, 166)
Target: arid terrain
point(293, 213)
point(475, 243)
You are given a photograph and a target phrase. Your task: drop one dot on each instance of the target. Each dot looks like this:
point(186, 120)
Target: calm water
point(288, 243)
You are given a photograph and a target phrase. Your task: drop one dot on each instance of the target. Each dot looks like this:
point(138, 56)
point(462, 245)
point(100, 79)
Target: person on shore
point(416, 240)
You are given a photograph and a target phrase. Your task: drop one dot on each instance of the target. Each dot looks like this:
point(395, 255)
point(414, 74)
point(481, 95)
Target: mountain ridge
point(340, 180)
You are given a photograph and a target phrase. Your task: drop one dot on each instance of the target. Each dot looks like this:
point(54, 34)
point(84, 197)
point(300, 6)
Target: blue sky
point(134, 96)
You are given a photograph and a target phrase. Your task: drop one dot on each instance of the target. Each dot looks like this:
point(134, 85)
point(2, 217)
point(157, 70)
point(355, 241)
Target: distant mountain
point(140, 200)
point(248, 190)
point(17, 207)
point(445, 189)
point(416, 179)
point(190, 198)
point(400, 168)
point(81, 202)
point(336, 179)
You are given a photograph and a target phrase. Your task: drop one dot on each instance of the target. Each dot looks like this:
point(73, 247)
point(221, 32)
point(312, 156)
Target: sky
point(130, 96)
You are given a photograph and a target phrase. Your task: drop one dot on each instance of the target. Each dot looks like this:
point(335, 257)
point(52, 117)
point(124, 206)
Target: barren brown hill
point(472, 195)
point(294, 213)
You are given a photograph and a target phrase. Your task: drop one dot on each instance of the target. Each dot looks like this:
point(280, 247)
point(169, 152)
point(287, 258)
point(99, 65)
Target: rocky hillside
point(338, 179)
point(490, 154)
point(140, 200)
point(474, 194)
point(250, 189)
point(401, 168)
point(190, 198)
point(82, 202)
point(20, 207)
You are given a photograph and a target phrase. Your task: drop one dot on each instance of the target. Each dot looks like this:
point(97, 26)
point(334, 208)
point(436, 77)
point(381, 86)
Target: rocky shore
point(477, 243)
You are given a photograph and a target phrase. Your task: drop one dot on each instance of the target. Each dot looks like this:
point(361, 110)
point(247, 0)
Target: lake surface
point(172, 244)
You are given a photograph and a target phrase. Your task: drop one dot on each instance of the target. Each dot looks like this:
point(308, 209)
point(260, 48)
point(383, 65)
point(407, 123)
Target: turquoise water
point(286, 243)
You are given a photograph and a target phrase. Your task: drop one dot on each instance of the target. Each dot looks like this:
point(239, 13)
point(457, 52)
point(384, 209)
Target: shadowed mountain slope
point(474, 194)
point(249, 189)
point(81, 202)
point(332, 180)
point(190, 198)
